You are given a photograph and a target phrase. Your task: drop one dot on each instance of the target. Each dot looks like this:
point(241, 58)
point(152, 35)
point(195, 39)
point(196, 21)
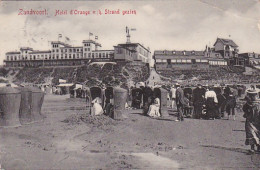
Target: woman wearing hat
point(251, 113)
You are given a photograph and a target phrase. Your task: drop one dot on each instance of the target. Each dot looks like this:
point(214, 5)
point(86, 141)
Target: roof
point(91, 41)
point(26, 48)
point(135, 44)
point(36, 52)
point(13, 52)
point(62, 43)
point(226, 42)
point(179, 53)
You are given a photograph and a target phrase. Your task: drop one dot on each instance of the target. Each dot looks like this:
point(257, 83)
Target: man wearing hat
point(198, 100)
point(179, 102)
point(251, 113)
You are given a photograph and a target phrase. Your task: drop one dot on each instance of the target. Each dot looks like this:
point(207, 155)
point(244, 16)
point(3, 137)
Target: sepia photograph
point(128, 84)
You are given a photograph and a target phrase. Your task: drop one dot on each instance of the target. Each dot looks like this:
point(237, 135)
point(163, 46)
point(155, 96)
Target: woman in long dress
point(154, 109)
point(96, 108)
point(251, 113)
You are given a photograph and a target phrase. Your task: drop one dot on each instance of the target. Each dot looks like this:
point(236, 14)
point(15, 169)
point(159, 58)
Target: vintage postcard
point(168, 84)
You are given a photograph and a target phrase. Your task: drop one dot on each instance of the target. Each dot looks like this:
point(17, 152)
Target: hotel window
point(99, 55)
point(92, 55)
point(85, 44)
point(74, 50)
point(198, 60)
point(65, 55)
point(179, 61)
point(96, 55)
point(70, 50)
point(77, 50)
point(33, 57)
point(73, 55)
point(57, 50)
point(103, 55)
point(78, 55)
point(7, 57)
point(173, 61)
point(65, 50)
point(85, 55)
point(50, 57)
point(89, 55)
point(53, 50)
point(69, 55)
point(86, 49)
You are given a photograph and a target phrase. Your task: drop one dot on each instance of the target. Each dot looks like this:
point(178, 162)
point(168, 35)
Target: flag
point(90, 34)
point(60, 35)
point(96, 37)
point(133, 29)
point(67, 39)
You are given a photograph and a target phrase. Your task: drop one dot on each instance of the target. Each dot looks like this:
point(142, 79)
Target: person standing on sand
point(211, 104)
point(251, 112)
point(230, 105)
point(198, 100)
point(173, 96)
point(179, 102)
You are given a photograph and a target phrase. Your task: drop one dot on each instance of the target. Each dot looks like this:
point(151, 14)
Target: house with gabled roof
point(226, 47)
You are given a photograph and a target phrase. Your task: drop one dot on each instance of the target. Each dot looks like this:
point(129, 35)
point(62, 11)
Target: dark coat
point(179, 96)
point(198, 95)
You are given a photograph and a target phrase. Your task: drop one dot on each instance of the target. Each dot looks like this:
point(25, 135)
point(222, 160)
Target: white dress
point(96, 108)
point(154, 109)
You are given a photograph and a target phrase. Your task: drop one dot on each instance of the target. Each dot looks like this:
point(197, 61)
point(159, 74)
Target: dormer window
point(193, 52)
point(184, 52)
point(174, 52)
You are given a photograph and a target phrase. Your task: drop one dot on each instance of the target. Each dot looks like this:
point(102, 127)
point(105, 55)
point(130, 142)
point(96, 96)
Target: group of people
point(201, 102)
point(210, 102)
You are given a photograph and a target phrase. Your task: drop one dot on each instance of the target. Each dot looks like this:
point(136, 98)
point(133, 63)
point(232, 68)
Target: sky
point(160, 25)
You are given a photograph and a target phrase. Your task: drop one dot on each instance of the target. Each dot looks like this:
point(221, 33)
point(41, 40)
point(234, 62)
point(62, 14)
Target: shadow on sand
point(240, 150)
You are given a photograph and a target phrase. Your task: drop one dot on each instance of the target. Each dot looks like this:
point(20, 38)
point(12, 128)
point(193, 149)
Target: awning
point(65, 85)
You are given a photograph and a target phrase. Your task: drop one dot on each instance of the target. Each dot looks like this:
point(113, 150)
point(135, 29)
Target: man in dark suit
point(198, 100)
point(179, 102)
